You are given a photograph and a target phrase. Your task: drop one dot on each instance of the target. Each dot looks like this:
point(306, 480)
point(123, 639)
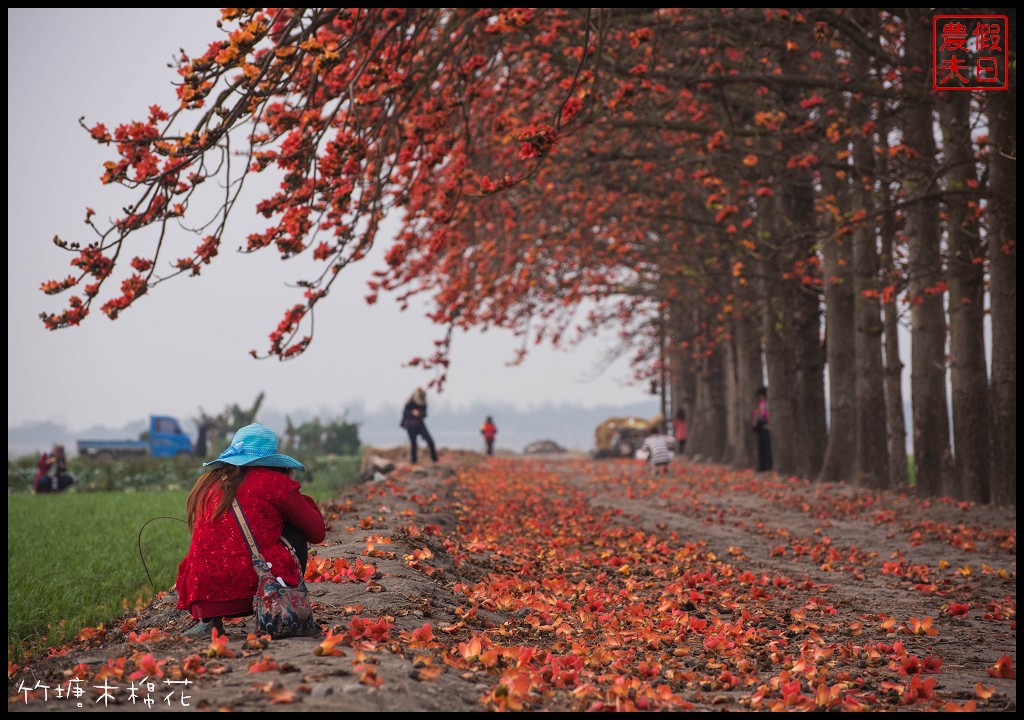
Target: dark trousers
point(47, 484)
point(490, 446)
point(764, 450)
point(416, 432)
point(297, 539)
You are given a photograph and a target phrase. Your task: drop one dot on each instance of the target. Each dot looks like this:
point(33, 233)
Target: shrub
point(138, 474)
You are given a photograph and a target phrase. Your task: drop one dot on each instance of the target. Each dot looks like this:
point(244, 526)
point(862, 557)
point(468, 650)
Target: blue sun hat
point(256, 446)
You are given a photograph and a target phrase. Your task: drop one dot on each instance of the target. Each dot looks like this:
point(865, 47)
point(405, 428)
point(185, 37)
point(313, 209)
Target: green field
point(73, 558)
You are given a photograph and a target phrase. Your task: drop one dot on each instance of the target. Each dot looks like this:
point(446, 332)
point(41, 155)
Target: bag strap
point(284, 541)
point(295, 556)
point(244, 525)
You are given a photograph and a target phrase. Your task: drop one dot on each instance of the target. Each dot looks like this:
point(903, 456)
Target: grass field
point(73, 559)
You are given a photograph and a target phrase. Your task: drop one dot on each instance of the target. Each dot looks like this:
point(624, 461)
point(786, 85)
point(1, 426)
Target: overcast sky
point(185, 346)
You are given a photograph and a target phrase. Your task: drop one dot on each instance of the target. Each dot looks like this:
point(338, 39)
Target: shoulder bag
point(281, 611)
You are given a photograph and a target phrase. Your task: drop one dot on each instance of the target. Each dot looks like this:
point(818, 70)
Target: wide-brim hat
point(256, 446)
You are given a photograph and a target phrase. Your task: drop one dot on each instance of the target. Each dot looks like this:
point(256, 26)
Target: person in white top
point(659, 451)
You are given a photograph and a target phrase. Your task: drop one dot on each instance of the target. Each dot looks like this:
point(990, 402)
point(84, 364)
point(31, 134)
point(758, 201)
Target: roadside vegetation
point(73, 559)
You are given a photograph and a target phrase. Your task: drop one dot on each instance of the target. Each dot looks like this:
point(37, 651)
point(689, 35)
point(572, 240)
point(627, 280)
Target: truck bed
point(93, 448)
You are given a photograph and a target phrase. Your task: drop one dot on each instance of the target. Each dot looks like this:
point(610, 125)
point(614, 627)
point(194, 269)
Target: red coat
point(489, 430)
point(42, 470)
point(216, 578)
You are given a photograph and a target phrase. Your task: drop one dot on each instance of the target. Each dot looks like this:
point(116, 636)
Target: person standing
point(489, 430)
point(679, 429)
point(414, 417)
point(760, 425)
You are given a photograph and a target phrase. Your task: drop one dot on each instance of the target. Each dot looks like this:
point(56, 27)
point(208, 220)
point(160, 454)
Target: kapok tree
point(669, 170)
point(355, 108)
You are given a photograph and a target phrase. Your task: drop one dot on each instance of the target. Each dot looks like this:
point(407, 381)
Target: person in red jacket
point(52, 472)
point(216, 579)
point(489, 430)
point(760, 426)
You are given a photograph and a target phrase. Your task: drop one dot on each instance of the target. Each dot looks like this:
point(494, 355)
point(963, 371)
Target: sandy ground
point(844, 588)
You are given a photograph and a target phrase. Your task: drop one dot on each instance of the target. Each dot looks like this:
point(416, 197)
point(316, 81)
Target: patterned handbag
point(281, 611)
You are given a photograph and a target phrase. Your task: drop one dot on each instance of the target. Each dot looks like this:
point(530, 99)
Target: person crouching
point(216, 579)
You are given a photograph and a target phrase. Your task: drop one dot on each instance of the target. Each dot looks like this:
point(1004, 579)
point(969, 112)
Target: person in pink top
point(760, 426)
point(679, 429)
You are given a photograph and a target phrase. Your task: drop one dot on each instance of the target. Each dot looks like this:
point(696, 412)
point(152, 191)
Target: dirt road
point(548, 584)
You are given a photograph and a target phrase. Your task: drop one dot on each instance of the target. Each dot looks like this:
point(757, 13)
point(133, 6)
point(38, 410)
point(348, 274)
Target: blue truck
point(164, 439)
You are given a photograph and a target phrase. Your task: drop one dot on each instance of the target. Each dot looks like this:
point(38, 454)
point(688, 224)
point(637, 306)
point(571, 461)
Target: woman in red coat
point(52, 472)
point(216, 579)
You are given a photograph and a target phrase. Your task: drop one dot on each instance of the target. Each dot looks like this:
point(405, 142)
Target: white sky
point(185, 346)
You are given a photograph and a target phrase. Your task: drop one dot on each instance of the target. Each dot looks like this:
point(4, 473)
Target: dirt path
point(842, 539)
point(568, 585)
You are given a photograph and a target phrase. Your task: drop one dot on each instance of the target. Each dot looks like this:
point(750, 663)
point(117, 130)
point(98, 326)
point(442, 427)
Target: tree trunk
point(742, 372)
point(708, 435)
point(805, 336)
point(715, 413)
point(872, 464)
point(838, 286)
point(707, 422)
point(747, 341)
point(783, 426)
point(894, 414)
point(688, 400)
point(1002, 250)
point(802, 330)
point(779, 364)
point(732, 396)
point(795, 369)
point(932, 456)
point(968, 366)
point(681, 376)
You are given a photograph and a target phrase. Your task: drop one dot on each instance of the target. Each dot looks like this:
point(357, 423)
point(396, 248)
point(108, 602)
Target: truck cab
point(166, 438)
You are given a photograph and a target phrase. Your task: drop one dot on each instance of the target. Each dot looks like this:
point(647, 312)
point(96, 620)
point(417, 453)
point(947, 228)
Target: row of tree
point(215, 431)
point(749, 196)
point(314, 437)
